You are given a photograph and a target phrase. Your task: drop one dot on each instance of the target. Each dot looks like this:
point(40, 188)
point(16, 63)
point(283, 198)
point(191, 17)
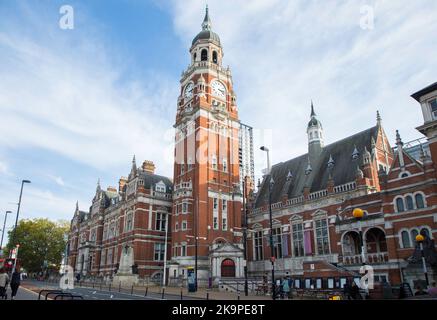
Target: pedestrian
point(420, 291)
point(433, 290)
point(15, 282)
point(290, 285)
point(279, 288)
point(347, 291)
point(285, 288)
point(355, 291)
point(4, 280)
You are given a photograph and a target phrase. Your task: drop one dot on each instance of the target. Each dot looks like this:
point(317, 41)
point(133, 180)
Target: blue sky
point(75, 105)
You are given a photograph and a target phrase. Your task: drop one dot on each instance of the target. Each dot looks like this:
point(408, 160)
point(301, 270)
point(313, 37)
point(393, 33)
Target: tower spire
point(378, 118)
point(206, 24)
point(313, 114)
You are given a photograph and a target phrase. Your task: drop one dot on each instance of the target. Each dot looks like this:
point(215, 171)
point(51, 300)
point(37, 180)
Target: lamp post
point(165, 251)
point(196, 240)
point(246, 286)
point(18, 210)
point(359, 214)
point(420, 239)
point(272, 258)
point(3, 231)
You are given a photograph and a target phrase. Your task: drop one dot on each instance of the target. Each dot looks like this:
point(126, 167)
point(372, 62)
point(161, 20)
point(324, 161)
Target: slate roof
point(344, 170)
point(207, 35)
point(424, 91)
point(151, 179)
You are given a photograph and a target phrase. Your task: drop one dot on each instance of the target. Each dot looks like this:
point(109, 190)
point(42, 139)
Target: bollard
point(238, 298)
point(93, 284)
point(163, 293)
point(181, 294)
point(132, 290)
point(147, 289)
point(207, 295)
point(119, 286)
point(110, 284)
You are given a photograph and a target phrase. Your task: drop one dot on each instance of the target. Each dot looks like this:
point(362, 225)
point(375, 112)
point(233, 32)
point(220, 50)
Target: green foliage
point(40, 240)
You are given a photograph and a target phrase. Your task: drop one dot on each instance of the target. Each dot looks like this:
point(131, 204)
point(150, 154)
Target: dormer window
point(160, 187)
point(214, 57)
point(433, 107)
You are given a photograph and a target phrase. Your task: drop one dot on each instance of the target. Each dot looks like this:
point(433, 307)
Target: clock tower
point(206, 223)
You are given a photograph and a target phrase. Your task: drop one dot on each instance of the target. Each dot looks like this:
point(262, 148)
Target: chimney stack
point(121, 184)
point(111, 189)
point(149, 166)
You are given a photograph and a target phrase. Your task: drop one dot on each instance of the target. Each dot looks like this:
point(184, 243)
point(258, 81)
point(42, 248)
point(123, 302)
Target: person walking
point(347, 291)
point(286, 288)
point(4, 280)
point(355, 291)
point(15, 282)
point(432, 291)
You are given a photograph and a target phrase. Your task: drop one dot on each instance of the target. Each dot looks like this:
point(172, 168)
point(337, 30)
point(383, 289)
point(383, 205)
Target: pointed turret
point(206, 24)
point(133, 170)
point(378, 118)
point(315, 135)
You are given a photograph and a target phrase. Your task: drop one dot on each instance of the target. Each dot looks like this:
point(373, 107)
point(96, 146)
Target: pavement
point(29, 290)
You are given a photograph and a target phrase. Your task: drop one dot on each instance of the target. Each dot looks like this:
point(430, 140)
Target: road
point(88, 293)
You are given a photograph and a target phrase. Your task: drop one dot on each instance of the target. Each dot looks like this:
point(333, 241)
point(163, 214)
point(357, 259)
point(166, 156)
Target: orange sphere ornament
point(358, 213)
point(420, 238)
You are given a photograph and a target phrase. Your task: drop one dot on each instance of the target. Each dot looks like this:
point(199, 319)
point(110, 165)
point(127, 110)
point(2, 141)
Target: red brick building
point(316, 238)
point(135, 215)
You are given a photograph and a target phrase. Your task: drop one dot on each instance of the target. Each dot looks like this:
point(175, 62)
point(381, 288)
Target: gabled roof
point(426, 90)
point(344, 169)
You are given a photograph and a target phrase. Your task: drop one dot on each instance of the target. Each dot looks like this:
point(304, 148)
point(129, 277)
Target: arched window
point(405, 239)
point(214, 57)
point(400, 204)
point(425, 232)
point(409, 201)
point(414, 233)
point(419, 201)
point(194, 56)
point(204, 55)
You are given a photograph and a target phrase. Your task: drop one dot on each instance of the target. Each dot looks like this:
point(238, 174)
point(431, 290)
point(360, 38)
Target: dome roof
point(314, 122)
point(207, 35)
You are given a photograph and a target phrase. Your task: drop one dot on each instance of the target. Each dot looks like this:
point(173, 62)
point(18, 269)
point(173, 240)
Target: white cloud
point(3, 168)
point(73, 102)
point(285, 53)
point(58, 180)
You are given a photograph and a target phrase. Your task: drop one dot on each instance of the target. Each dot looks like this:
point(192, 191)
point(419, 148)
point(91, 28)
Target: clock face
point(218, 89)
point(189, 90)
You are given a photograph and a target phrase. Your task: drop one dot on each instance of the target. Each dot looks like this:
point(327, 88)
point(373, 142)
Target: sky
point(77, 104)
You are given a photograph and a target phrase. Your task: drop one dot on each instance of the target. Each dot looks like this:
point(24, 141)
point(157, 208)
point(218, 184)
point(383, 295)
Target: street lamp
point(246, 286)
point(420, 239)
point(196, 240)
point(165, 251)
point(18, 210)
point(272, 258)
point(359, 214)
point(3, 231)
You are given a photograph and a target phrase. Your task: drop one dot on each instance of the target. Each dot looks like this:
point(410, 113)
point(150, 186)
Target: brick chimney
point(111, 189)
point(149, 166)
point(121, 184)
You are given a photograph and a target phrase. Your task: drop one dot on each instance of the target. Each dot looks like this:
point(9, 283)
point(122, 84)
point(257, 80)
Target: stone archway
point(375, 241)
point(351, 243)
point(228, 268)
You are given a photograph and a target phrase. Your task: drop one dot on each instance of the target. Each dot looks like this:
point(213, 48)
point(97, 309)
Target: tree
point(40, 240)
